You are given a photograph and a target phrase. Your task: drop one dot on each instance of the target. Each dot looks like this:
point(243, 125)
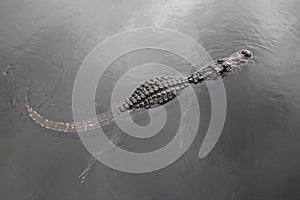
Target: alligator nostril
point(245, 53)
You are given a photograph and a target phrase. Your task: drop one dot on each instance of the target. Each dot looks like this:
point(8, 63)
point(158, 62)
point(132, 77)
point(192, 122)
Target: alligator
point(149, 94)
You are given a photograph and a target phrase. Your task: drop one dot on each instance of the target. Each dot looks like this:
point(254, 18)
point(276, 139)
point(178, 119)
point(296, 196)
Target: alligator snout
point(246, 53)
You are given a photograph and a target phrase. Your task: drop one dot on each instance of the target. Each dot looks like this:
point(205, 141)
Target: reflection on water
point(257, 154)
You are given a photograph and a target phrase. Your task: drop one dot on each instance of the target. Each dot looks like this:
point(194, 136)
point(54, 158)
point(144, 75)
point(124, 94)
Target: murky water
point(257, 154)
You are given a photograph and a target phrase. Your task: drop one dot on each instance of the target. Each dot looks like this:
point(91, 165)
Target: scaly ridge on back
point(149, 94)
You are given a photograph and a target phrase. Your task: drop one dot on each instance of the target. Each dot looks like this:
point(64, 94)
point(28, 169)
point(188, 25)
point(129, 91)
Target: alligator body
point(151, 93)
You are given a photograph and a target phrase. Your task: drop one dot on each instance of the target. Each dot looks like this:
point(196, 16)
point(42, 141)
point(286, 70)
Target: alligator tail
point(67, 127)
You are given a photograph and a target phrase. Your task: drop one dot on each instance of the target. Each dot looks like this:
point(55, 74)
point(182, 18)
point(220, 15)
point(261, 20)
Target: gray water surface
point(257, 156)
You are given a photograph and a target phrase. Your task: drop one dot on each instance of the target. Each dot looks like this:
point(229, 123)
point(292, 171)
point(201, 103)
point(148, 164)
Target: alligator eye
point(226, 65)
point(245, 53)
point(220, 61)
